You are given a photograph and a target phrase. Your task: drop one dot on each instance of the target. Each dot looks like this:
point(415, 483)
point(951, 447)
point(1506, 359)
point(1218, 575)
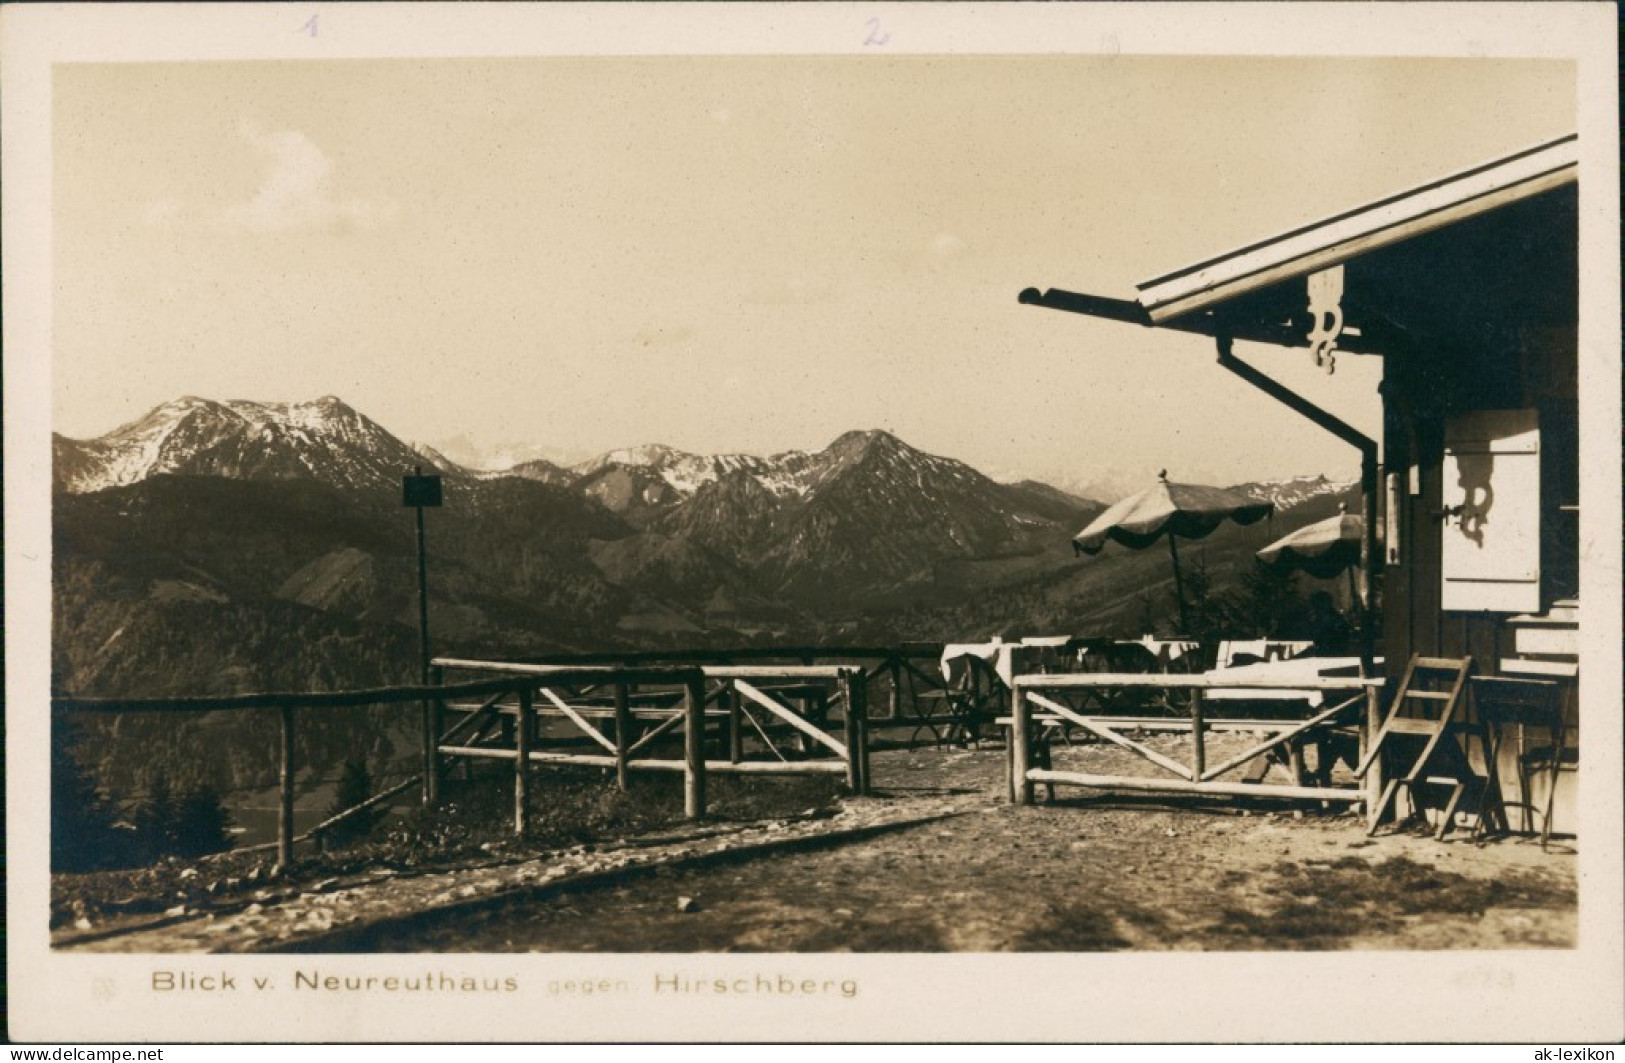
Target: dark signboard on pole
point(420, 490)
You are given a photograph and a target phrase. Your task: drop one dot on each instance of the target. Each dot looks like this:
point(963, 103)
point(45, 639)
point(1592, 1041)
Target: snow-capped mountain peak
point(653, 455)
point(660, 475)
point(323, 439)
point(1294, 490)
point(682, 473)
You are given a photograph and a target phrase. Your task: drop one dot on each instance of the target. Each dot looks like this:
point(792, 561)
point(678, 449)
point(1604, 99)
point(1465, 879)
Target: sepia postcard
point(812, 522)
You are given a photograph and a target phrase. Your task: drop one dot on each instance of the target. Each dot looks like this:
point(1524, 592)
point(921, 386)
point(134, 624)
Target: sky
point(734, 254)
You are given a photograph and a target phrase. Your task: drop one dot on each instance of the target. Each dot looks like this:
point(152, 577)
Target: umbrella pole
point(1179, 587)
point(1357, 607)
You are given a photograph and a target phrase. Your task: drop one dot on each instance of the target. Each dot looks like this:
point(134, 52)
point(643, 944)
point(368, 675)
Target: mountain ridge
point(238, 502)
point(191, 435)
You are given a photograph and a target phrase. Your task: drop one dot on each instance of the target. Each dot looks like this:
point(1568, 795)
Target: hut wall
point(1422, 390)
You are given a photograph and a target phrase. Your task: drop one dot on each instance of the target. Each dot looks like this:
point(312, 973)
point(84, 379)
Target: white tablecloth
point(1169, 650)
point(1305, 668)
point(998, 653)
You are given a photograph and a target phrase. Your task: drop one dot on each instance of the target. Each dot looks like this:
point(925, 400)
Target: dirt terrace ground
point(940, 861)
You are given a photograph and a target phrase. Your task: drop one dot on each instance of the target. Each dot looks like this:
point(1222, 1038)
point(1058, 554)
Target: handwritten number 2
point(875, 37)
point(309, 27)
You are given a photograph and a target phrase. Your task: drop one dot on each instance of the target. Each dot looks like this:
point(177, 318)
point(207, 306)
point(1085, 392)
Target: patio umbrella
point(1322, 549)
point(1188, 511)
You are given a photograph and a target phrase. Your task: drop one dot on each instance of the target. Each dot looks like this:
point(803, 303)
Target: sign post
point(419, 492)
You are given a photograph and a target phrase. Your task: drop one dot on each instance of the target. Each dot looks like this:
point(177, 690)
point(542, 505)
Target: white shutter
point(1491, 560)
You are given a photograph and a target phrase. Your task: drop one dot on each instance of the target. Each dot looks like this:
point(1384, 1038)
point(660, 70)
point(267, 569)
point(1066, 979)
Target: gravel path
point(937, 860)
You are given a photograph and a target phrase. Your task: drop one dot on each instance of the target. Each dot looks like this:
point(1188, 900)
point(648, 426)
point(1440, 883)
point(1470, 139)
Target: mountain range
point(275, 522)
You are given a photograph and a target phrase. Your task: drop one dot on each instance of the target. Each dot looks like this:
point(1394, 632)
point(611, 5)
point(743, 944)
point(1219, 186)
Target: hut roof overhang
point(1428, 262)
point(1450, 271)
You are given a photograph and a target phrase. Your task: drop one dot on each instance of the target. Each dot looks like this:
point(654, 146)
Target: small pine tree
point(1146, 623)
point(155, 818)
point(355, 786)
point(200, 823)
point(1268, 601)
point(82, 834)
point(1210, 614)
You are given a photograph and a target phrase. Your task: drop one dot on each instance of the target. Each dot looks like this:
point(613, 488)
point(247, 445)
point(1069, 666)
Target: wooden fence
point(1045, 693)
point(760, 715)
point(288, 705)
point(636, 699)
point(618, 715)
point(909, 670)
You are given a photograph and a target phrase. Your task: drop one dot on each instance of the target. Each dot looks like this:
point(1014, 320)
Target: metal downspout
point(1368, 476)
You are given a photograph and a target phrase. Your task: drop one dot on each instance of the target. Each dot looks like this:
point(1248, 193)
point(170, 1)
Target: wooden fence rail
point(900, 666)
point(691, 697)
point(1197, 778)
point(288, 705)
point(554, 681)
point(333, 821)
point(336, 699)
point(805, 654)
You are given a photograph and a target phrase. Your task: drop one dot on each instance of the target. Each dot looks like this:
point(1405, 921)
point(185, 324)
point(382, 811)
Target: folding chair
point(1427, 738)
point(979, 697)
point(1516, 704)
point(972, 697)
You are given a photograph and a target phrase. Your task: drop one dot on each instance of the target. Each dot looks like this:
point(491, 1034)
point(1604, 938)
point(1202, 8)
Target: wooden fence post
point(428, 751)
point(285, 778)
point(736, 733)
point(862, 691)
point(521, 763)
point(894, 700)
point(856, 690)
point(468, 762)
point(433, 724)
point(1198, 727)
point(852, 707)
point(1021, 791)
point(623, 736)
point(1368, 736)
point(694, 749)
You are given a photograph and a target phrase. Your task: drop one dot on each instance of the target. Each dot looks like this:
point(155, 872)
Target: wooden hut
point(1467, 287)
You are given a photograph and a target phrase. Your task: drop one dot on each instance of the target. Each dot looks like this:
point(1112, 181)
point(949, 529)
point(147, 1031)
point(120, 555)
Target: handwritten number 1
point(310, 26)
point(875, 37)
